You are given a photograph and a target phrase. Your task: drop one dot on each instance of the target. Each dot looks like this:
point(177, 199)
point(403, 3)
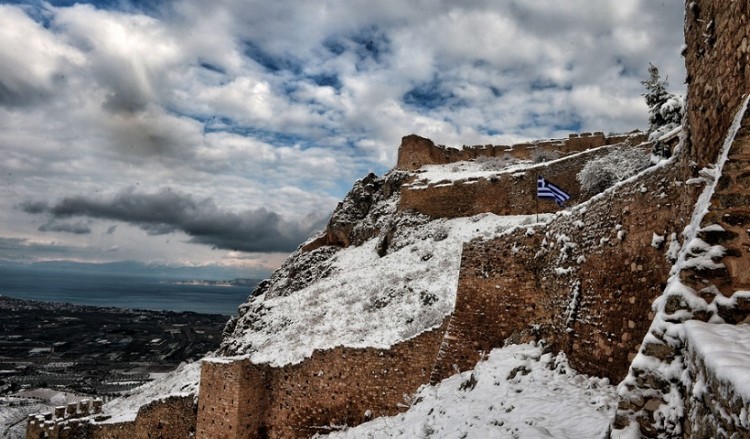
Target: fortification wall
point(723, 230)
point(504, 194)
point(585, 283)
point(336, 387)
point(416, 151)
point(169, 418)
point(712, 404)
point(716, 57)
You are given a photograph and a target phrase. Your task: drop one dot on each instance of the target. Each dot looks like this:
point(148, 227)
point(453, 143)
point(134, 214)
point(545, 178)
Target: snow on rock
point(517, 392)
point(657, 240)
point(13, 414)
point(367, 300)
point(725, 350)
point(183, 381)
point(468, 170)
point(482, 168)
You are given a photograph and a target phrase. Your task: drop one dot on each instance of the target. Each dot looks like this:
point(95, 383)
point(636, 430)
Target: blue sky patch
point(326, 80)
point(430, 95)
point(269, 61)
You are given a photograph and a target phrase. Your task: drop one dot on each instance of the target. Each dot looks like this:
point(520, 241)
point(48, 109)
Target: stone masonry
point(169, 418)
point(584, 284)
point(331, 389)
point(506, 193)
point(716, 57)
point(416, 151)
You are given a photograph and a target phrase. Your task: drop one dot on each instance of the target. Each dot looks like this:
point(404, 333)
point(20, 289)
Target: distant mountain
point(239, 282)
point(206, 272)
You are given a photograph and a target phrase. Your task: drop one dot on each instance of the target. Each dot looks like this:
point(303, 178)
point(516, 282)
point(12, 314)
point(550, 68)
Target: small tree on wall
point(665, 110)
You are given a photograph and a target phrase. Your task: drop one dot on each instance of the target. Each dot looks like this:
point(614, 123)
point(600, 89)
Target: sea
point(121, 291)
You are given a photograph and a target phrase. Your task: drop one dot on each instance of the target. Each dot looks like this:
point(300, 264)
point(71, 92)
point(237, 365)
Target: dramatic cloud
point(76, 227)
point(266, 112)
point(167, 211)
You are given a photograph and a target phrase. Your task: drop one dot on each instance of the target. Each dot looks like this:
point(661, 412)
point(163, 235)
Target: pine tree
point(656, 95)
point(665, 109)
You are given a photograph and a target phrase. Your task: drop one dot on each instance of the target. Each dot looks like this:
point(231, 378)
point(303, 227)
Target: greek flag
point(545, 189)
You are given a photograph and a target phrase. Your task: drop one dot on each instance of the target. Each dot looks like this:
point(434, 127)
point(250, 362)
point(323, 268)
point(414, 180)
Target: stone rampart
point(723, 234)
point(585, 283)
point(416, 151)
point(331, 389)
point(712, 403)
point(503, 194)
point(717, 34)
point(168, 418)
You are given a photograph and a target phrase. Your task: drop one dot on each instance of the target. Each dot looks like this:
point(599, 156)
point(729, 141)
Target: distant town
point(52, 353)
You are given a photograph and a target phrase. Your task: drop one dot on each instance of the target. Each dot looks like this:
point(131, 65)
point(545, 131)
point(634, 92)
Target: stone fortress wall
point(332, 388)
point(717, 39)
point(169, 418)
point(718, 77)
point(585, 284)
point(505, 193)
point(416, 151)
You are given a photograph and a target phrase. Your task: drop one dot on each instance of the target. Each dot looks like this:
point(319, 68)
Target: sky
point(193, 133)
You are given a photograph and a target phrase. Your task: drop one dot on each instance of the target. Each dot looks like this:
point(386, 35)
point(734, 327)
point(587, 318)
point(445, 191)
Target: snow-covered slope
point(181, 382)
point(518, 392)
point(366, 300)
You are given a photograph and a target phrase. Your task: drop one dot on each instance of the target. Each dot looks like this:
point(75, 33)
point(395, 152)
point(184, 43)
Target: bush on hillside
point(544, 155)
point(619, 164)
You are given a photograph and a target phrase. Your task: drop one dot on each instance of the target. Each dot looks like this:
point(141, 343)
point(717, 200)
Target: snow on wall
point(517, 392)
point(183, 381)
point(368, 300)
point(651, 396)
point(725, 349)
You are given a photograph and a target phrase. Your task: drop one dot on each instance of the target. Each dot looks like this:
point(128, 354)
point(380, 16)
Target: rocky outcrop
point(359, 216)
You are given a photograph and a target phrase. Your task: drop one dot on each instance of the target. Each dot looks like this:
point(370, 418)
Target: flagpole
point(537, 198)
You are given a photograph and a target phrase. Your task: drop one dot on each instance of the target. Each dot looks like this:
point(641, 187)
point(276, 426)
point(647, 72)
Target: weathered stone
point(675, 303)
point(661, 351)
point(653, 404)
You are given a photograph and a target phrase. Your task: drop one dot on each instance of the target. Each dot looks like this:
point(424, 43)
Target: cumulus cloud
point(168, 211)
point(34, 61)
point(272, 109)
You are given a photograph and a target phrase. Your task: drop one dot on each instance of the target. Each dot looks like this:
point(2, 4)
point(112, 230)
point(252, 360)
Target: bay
point(122, 290)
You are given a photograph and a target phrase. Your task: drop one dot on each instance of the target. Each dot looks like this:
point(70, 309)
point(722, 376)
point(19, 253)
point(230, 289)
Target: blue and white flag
point(545, 189)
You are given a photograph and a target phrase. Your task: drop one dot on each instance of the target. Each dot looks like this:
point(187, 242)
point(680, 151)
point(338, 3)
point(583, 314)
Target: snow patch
point(725, 350)
point(518, 392)
point(181, 382)
point(368, 300)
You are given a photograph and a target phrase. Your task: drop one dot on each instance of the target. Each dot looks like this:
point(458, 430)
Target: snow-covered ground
point(518, 392)
point(13, 413)
point(181, 382)
point(482, 168)
point(725, 350)
point(431, 174)
point(367, 300)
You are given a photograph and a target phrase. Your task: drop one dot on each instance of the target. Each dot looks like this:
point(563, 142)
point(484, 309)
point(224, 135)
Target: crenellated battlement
point(416, 151)
point(64, 421)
